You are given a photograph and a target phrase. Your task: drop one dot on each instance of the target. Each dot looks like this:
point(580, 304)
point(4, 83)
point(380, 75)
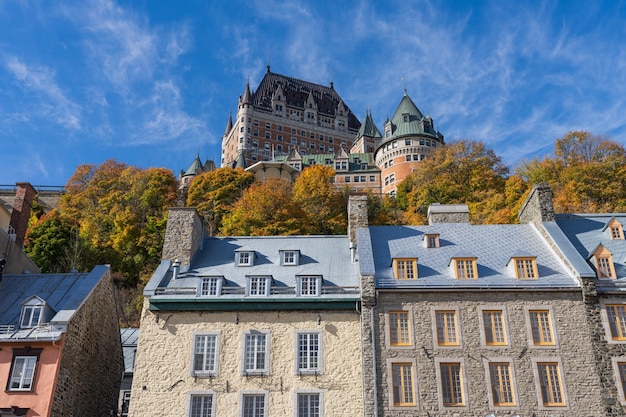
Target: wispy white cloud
point(50, 101)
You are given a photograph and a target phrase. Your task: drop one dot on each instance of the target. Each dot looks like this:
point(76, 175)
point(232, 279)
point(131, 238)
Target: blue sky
point(151, 83)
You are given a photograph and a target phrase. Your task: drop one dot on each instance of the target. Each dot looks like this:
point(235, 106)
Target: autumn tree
point(321, 202)
point(213, 194)
point(265, 209)
point(586, 174)
point(463, 172)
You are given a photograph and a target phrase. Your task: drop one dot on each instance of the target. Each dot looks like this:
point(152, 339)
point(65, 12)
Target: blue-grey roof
point(586, 232)
point(492, 245)
point(129, 338)
point(328, 256)
point(63, 293)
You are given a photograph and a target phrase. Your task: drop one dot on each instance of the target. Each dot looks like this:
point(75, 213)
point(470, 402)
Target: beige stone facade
point(163, 376)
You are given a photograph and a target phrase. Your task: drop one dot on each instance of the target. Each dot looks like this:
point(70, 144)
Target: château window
point(465, 268)
point(405, 268)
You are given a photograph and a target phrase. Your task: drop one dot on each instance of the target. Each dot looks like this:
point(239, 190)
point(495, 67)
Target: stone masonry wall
point(91, 366)
point(573, 350)
point(357, 215)
point(538, 205)
point(183, 235)
point(162, 381)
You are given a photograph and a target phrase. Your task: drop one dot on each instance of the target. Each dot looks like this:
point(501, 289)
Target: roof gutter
point(169, 304)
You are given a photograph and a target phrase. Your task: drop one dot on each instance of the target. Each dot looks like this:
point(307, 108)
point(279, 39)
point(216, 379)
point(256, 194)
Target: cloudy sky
point(151, 83)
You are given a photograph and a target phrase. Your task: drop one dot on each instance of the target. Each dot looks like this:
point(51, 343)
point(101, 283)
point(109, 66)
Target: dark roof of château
point(368, 128)
point(296, 94)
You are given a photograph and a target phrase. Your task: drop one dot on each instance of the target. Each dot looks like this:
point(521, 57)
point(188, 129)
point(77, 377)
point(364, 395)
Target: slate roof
point(586, 232)
point(296, 94)
point(129, 338)
point(64, 293)
point(492, 245)
point(328, 256)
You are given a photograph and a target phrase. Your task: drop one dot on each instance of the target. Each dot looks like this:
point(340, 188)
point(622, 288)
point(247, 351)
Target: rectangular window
point(550, 382)
point(258, 286)
point(403, 392)
point(209, 286)
point(399, 334)
point(493, 322)
point(405, 268)
point(309, 405)
point(205, 354)
point(255, 352)
point(466, 269)
point(526, 268)
point(289, 257)
point(604, 267)
point(451, 388)
point(267, 125)
point(23, 373)
point(616, 313)
point(308, 352)
point(253, 405)
point(30, 316)
point(501, 385)
point(541, 327)
point(446, 328)
point(309, 286)
point(621, 371)
point(244, 258)
point(201, 405)
point(616, 232)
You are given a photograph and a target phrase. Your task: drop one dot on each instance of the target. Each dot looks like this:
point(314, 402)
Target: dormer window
point(210, 286)
point(309, 286)
point(258, 286)
point(431, 240)
point(290, 257)
point(603, 260)
point(465, 268)
point(525, 268)
point(616, 231)
point(244, 258)
point(405, 268)
point(30, 316)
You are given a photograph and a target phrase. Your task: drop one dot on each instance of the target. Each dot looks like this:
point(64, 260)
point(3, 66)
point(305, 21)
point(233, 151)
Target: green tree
point(213, 194)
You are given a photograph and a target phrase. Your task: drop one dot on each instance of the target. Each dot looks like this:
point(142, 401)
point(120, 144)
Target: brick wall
point(574, 351)
point(91, 366)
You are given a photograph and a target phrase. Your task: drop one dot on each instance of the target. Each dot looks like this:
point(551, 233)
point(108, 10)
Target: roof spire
point(404, 81)
point(332, 84)
point(268, 62)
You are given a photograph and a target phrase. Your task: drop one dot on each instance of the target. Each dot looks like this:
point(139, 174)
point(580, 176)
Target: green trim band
point(215, 304)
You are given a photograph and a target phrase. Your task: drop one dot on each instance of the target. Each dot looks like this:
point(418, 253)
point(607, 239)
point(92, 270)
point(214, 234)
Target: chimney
point(357, 216)
point(538, 205)
point(24, 197)
point(183, 235)
point(448, 213)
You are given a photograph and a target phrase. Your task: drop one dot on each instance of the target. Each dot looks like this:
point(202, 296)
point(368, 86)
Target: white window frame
point(498, 360)
point(304, 290)
point(215, 359)
point(535, 362)
point(258, 393)
point(505, 325)
point(244, 258)
point(464, 391)
point(402, 360)
point(28, 313)
point(298, 393)
point(255, 288)
point(205, 290)
point(289, 257)
point(259, 369)
point(531, 343)
point(22, 373)
point(196, 394)
point(308, 369)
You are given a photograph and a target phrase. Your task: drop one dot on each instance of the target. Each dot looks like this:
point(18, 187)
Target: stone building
point(472, 320)
point(249, 327)
point(593, 246)
point(60, 352)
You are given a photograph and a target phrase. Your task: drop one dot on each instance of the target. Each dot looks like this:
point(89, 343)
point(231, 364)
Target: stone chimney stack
point(183, 235)
point(448, 213)
point(357, 216)
point(538, 205)
point(24, 197)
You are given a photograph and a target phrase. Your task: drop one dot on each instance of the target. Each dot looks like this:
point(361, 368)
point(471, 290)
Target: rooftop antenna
point(404, 81)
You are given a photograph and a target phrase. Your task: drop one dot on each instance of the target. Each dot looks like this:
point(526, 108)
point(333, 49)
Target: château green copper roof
point(409, 120)
point(368, 128)
point(195, 168)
